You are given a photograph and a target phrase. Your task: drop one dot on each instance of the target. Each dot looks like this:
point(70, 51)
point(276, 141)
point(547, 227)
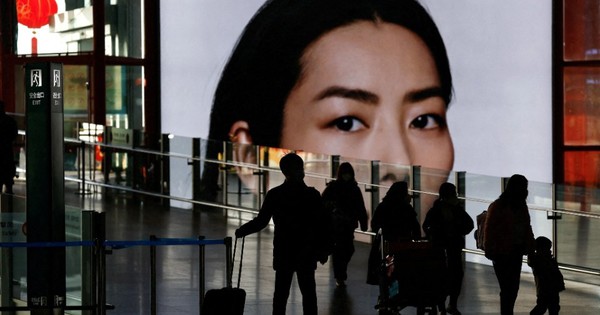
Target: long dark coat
point(301, 226)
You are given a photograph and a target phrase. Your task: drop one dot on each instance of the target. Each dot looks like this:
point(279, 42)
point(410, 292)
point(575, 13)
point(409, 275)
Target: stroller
point(412, 274)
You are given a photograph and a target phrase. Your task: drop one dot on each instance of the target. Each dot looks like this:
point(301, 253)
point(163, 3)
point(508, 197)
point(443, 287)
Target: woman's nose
point(392, 147)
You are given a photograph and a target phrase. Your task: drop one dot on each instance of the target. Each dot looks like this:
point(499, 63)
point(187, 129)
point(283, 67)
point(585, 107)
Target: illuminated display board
point(499, 118)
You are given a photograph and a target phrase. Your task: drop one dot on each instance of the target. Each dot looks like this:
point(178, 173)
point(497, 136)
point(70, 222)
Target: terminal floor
point(128, 270)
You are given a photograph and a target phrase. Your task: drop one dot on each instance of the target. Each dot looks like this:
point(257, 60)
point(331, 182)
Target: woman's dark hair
point(346, 168)
point(266, 62)
point(516, 191)
point(447, 190)
point(397, 192)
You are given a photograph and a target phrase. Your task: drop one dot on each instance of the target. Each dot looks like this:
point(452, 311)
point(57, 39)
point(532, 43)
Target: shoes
point(340, 283)
point(451, 309)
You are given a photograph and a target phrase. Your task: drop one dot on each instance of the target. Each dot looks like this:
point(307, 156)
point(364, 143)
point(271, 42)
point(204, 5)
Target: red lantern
point(35, 14)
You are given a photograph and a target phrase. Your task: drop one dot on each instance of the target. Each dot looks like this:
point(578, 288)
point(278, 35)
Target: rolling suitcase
point(228, 300)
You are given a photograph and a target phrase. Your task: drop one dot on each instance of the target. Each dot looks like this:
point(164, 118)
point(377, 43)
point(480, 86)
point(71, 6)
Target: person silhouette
point(446, 225)
point(507, 237)
point(549, 280)
point(397, 219)
point(8, 134)
point(343, 198)
point(301, 234)
point(396, 216)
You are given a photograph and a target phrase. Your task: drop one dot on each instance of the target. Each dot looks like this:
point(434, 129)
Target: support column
point(46, 286)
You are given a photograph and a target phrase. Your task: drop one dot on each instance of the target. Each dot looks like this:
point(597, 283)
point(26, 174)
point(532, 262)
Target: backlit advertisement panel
point(365, 89)
point(498, 121)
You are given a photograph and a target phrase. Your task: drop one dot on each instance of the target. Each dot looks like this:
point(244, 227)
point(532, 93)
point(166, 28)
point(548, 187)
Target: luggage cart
point(413, 273)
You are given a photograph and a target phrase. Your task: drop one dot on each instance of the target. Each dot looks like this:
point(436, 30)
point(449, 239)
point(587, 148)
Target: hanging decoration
point(35, 14)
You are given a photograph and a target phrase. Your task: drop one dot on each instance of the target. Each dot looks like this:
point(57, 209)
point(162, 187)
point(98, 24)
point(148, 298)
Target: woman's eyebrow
point(423, 94)
point(354, 94)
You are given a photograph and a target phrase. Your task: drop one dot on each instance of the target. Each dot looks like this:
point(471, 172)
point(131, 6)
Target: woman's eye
point(428, 121)
point(347, 123)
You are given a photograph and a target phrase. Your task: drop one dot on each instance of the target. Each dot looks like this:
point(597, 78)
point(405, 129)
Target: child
point(548, 279)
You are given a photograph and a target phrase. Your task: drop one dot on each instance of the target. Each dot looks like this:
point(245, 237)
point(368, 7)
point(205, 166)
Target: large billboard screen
point(374, 92)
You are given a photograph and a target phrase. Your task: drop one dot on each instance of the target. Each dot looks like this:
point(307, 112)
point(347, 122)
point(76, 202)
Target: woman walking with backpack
point(507, 237)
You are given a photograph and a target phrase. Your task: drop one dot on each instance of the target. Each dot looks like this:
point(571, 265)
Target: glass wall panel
point(75, 90)
point(54, 27)
point(540, 195)
point(318, 168)
point(480, 191)
point(125, 97)
point(582, 168)
point(124, 25)
point(578, 198)
point(582, 106)
point(539, 201)
point(180, 148)
point(13, 214)
point(391, 173)
point(482, 188)
point(74, 258)
point(581, 29)
point(66, 27)
point(241, 177)
point(569, 197)
point(13, 262)
point(212, 168)
point(578, 238)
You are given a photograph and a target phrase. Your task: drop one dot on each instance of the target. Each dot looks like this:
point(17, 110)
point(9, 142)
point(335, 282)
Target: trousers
point(308, 288)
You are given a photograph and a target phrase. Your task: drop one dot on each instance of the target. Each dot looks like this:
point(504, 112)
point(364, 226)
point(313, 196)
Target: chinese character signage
point(45, 183)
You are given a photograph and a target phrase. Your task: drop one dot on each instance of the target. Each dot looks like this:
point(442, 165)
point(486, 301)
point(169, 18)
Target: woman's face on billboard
point(369, 91)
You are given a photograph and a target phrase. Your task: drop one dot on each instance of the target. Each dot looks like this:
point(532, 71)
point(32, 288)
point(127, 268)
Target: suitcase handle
point(233, 261)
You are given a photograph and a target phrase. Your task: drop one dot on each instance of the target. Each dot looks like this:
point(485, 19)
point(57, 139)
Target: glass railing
point(13, 253)
point(245, 173)
point(192, 172)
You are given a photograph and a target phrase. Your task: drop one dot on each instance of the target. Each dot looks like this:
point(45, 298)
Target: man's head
point(292, 166)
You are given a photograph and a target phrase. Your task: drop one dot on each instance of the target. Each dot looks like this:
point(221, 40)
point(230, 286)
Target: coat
point(446, 224)
point(548, 278)
point(507, 230)
point(345, 202)
point(300, 225)
point(398, 220)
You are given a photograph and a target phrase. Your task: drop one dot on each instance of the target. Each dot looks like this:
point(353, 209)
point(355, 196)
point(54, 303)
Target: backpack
point(479, 232)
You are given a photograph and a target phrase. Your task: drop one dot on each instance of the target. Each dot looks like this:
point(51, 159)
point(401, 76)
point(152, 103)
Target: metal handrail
point(260, 168)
